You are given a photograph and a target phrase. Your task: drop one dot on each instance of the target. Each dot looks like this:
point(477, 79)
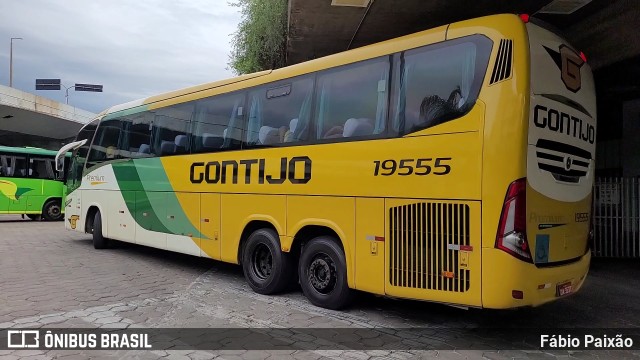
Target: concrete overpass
point(30, 120)
point(606, 30)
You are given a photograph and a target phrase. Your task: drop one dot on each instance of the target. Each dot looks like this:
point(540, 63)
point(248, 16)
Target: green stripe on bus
point(148, 194)
point(153, 178)
point(136, 197)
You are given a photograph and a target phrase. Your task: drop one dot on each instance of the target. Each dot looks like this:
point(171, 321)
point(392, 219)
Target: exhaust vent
point(502, 67)
point(426, 242)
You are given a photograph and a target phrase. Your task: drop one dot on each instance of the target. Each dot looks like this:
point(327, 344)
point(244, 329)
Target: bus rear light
point(583, 56)
point(517, 294)
point(512, 229)
point(524, 17)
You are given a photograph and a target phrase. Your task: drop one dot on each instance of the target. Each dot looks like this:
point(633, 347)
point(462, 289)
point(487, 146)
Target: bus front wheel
point(267, 269)
point(51, 211)
point(323, 274)
point(99, 241)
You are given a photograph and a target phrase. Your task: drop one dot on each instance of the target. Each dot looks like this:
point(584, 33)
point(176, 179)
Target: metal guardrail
point(616, 218)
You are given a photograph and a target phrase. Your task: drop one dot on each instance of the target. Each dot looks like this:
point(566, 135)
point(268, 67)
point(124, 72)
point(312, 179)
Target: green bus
point(30, 184)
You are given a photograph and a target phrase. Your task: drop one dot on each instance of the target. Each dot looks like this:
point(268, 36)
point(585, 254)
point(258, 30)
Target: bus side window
point(276, 110)
point(170, 126)
point(41, 168)
point(4, 165)
point(136, 135)
point(218, 123)
point(352, 100)
point(438, 83)
point(13, 165)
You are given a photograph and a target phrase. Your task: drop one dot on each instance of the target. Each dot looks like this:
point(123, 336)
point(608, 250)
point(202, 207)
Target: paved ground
point(53, 278)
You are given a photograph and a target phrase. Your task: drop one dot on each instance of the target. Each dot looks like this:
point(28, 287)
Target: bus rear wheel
point(51, 211)
point(267, 269)
point(99, 241)
point(323, 274)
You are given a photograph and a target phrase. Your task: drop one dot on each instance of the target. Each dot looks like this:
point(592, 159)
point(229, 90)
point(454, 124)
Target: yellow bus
point(452, 165)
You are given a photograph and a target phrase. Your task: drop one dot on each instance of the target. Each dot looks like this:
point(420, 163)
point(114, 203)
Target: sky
point(134, 48)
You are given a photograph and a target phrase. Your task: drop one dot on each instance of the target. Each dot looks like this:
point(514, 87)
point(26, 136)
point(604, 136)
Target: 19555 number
point(405, 167)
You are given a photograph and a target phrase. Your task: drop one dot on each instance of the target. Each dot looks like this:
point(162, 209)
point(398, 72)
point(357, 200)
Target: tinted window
point(13, 165)
point(218, 123)
point(136, 135)
point(352, 100)
point(169, 130)
point(105, 145)
point(41, 168)
point(80, 155)
point(276, 111)
point(86, 133)
point(4, 166)
point(438, 83)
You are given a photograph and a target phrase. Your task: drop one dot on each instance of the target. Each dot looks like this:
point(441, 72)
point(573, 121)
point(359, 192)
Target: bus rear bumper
point(504, 276)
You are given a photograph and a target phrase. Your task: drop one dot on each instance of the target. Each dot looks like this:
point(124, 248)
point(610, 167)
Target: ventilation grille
point(565, 162)
point(502, 68)
point(425, 238)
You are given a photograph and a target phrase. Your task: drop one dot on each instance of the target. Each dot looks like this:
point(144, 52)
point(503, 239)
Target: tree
point(260, 41)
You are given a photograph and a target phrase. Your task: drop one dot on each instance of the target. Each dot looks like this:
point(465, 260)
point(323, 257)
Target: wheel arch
point(92, 209)
point(252, 224)
point(312, 228)
point(49, 199)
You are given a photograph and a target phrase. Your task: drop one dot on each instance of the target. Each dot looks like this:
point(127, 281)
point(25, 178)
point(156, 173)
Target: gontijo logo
point(569, 62)
point(73, 221)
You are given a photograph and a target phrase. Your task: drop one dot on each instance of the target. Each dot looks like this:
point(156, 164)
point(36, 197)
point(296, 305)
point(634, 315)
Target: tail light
point(583, 56)
point(525, 18)
point(512, 229)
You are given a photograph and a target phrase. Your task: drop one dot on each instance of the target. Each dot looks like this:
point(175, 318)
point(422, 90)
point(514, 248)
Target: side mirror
point(63, 152)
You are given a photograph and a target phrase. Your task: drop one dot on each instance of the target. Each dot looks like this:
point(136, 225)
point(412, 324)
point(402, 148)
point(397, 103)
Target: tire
point(52, 211)
point(323, 274)
point(267, 269)
point(99, 241)
point(33, 217)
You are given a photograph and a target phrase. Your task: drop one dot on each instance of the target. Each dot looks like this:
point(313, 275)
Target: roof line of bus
point(27, 150)
point(358, 54)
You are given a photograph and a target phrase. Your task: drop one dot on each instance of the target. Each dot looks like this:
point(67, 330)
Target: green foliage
point(260, 41)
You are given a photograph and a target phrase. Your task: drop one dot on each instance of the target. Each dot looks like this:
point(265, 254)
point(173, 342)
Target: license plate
point(564, 289)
